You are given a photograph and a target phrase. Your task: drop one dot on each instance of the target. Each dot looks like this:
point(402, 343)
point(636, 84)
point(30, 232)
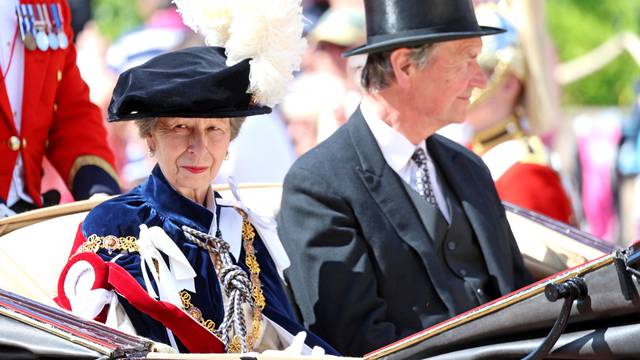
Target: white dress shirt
point(13, 81)
point(397, 151)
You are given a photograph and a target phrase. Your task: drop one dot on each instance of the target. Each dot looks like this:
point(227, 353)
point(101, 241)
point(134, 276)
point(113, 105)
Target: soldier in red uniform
point(519, 104)
point(45, 110)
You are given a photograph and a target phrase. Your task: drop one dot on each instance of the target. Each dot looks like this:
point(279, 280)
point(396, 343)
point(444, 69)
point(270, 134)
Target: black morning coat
point(359, 250)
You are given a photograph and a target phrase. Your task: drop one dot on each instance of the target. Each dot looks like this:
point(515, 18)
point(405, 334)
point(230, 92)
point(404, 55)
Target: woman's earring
point(150, 153)
point(226, 157)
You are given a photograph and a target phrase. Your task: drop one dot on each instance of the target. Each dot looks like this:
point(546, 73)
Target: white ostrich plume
point(211, 18)
point(267, 31)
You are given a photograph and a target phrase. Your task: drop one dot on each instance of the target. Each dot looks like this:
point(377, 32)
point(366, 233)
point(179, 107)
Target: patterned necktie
point(423, 183)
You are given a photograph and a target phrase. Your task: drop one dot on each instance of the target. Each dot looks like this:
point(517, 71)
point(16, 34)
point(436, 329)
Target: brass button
point(59, 75)
point(55, 107)
point(14, 143)
point(24, 143)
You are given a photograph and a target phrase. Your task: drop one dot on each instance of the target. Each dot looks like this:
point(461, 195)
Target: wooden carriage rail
point(18, 221)
point(31, 217)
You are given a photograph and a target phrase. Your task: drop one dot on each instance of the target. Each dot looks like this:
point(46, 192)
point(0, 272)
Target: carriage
point(585, 304)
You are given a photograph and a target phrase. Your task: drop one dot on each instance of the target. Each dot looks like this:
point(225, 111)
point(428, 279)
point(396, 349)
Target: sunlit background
point(596, 56)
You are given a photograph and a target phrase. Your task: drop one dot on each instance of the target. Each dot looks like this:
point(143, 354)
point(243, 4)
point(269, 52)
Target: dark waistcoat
point(459, 268)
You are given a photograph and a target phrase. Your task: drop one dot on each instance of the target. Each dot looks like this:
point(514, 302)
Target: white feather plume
point(268, 32)
point(211, 18)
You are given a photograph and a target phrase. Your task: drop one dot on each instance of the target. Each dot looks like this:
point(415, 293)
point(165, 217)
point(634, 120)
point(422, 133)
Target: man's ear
point(401, 64)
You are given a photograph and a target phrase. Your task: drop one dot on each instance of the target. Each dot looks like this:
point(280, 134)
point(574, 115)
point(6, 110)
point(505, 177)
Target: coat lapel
point(387, 189)
point(476, 203)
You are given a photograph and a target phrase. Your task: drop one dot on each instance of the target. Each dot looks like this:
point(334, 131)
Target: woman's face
point(190, 152)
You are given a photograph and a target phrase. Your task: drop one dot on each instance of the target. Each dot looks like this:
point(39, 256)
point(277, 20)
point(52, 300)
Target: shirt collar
point(396, 148)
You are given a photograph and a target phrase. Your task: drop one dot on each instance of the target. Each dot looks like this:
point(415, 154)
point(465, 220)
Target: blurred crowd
point(593, 165)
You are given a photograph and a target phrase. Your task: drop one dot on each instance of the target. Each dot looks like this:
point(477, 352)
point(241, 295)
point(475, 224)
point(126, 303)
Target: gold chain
point(194, 312)
point(248, 235)
point(235, 345)
point(109, 243)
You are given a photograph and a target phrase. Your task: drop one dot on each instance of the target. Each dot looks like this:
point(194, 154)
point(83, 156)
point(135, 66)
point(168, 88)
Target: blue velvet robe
point(156, 203)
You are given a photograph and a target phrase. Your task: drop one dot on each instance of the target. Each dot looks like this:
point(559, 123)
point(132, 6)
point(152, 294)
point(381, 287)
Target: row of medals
point(41, 26)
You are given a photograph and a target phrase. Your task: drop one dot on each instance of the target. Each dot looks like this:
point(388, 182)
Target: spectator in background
point(628, 169)
point(597, 136)
point(337, 30)
point(312, 10)
point(46, 111)
point(163, 31)
point(310, 109)
point(329, 82)
point(518, 104)
point(81, 14)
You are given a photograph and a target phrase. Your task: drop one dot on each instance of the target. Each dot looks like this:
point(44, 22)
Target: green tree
point(578, 26)
point(115, 17)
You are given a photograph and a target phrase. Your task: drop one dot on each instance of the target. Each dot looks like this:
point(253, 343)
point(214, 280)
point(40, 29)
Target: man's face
point(441, 90)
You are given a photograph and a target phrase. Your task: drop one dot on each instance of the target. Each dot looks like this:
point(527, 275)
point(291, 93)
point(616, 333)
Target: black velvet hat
point(393, 24)
point(190, 83)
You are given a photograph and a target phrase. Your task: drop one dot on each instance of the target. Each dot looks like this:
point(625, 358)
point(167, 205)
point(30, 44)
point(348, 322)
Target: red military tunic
point(520, 168)
point(58, 120)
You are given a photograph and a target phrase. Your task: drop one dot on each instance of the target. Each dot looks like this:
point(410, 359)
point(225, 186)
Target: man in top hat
point(391, 228)
point(45, 110)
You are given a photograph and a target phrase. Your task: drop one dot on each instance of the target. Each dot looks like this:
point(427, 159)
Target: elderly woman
point(171, 260)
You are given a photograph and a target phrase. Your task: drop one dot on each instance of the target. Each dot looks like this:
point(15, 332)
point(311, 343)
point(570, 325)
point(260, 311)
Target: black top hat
point(393, 24)
point(190, 83)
